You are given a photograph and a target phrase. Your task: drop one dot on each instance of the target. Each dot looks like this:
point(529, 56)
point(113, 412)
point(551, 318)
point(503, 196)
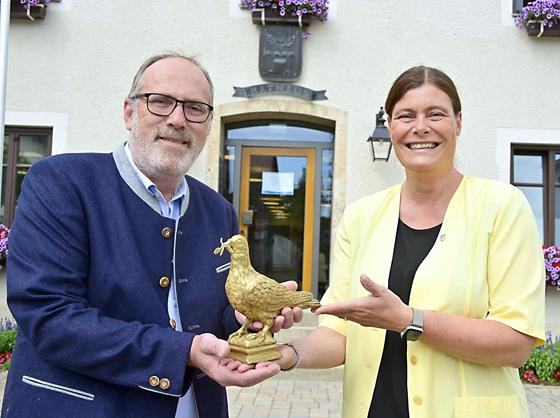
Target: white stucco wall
point(80, 60)
point(78, 63)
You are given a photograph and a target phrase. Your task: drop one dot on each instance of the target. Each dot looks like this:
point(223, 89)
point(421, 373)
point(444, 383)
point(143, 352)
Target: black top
point(390, 397)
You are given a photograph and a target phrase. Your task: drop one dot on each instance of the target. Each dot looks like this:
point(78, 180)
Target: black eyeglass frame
point(177, 101)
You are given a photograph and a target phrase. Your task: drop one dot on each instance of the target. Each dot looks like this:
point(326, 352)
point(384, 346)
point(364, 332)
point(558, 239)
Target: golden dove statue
point(259, 298)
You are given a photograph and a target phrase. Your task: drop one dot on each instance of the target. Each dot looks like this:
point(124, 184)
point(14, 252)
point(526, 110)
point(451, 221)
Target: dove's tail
point(305, 300)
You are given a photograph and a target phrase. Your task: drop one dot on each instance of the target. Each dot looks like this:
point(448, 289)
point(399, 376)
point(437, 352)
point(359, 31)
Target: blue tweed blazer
point(88, 252)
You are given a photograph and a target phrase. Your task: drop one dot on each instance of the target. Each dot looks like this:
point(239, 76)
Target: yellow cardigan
point(486, 263)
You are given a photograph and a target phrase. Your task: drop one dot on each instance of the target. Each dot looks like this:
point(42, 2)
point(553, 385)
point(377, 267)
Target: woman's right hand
point(380, 309)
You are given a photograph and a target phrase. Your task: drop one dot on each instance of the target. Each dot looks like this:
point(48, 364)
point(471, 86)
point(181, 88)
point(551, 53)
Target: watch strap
point(418, 318)
point(417, 325)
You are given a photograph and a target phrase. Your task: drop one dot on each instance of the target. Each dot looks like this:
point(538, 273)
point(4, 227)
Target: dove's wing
point(272, 295)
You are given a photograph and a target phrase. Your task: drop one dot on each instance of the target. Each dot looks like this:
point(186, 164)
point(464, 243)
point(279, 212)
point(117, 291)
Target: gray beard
point(154, 162)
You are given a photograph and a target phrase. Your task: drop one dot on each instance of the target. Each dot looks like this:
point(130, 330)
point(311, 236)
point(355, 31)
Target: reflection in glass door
point(276, 211)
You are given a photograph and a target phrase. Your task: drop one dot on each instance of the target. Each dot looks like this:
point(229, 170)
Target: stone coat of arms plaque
point(280, 53)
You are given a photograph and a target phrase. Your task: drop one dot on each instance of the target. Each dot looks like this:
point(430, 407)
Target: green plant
point(543, 365)
point(7, 340)
point(8, 332)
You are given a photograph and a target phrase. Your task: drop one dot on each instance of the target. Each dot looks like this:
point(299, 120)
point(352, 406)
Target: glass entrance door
point(276, 211)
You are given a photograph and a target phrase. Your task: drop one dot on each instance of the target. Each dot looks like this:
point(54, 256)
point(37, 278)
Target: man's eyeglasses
point(163, 105)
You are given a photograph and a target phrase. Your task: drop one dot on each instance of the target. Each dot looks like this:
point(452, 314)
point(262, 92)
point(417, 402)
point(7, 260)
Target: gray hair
point(155, 58)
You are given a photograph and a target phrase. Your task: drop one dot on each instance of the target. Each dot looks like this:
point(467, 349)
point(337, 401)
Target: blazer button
point(173, 324)
point(164, 383)
point(154, 381)
point(164, 281)
point(413, 360)
point(418, 400)
point(167, 232)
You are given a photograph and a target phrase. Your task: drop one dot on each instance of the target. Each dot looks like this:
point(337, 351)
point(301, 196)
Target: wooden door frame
point(310, 154)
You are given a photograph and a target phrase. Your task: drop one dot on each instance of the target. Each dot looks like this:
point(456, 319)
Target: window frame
point(11, 162)
point(517, 5)
point(549, 185)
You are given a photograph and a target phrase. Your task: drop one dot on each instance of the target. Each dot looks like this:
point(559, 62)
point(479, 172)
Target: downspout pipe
point(4, 30)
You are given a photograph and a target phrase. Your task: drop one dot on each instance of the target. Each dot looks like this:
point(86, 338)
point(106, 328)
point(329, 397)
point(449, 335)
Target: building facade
point(289, 164)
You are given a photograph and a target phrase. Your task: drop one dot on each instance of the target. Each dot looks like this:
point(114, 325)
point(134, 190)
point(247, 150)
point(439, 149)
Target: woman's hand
point(475, 340)
point(380, 309)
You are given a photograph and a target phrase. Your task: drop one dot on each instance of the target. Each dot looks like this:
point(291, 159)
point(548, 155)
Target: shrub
point(8, 330)
point(543, 365)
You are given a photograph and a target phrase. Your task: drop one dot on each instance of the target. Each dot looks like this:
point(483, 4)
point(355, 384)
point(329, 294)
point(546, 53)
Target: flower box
point(538, 29)
point(20, 11)
point(266, 16)
point(540, 18)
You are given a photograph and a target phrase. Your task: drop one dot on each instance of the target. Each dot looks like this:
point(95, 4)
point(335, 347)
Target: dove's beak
point(225, 246)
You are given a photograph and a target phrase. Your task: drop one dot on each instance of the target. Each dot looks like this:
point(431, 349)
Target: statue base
point(254, 355)
point(248, 350)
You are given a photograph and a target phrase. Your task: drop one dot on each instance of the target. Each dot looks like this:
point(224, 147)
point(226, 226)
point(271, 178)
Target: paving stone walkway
point(323, 399)
point(283, 398)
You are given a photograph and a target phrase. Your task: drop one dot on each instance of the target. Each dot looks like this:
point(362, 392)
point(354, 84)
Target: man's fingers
point(290, 284)
point(250, 377)
point(278, 324)
point(298, 314)
point(256, 326)
point(244, 367)
point(262, 364)
point(262, 371)
point(288, 315)
point(239, 317)
point(209, 344)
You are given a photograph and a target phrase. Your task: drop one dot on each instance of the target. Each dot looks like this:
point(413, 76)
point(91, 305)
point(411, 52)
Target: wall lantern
point(380, 140)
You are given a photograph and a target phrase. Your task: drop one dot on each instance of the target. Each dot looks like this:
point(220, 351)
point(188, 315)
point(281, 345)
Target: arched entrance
point(280, 170)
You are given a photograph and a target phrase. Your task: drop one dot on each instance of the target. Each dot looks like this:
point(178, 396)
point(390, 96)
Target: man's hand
point(286, 319)
point(208, 353)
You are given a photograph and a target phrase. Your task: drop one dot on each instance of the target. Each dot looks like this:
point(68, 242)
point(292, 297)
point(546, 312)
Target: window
point(519, 4)
point(535, 169)
point(22, 147)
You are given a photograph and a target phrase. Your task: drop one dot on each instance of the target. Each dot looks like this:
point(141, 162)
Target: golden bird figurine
point(256, 296)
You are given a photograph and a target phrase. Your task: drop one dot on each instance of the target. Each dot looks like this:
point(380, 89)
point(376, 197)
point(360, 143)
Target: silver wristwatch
point(414, 331)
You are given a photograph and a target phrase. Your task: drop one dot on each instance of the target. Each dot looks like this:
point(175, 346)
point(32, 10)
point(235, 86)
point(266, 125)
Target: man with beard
point(111, 256)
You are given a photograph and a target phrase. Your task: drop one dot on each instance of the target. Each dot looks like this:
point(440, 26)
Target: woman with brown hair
point(437, 290)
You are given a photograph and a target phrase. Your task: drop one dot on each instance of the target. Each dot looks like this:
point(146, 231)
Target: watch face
point(412, 333)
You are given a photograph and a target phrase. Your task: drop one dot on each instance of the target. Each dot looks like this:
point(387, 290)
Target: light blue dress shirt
point(172, 209)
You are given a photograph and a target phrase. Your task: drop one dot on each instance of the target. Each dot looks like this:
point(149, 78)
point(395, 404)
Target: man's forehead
point(175, 72)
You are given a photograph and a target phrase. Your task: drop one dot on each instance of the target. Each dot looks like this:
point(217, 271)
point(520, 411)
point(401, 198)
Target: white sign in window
point(279, 184)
